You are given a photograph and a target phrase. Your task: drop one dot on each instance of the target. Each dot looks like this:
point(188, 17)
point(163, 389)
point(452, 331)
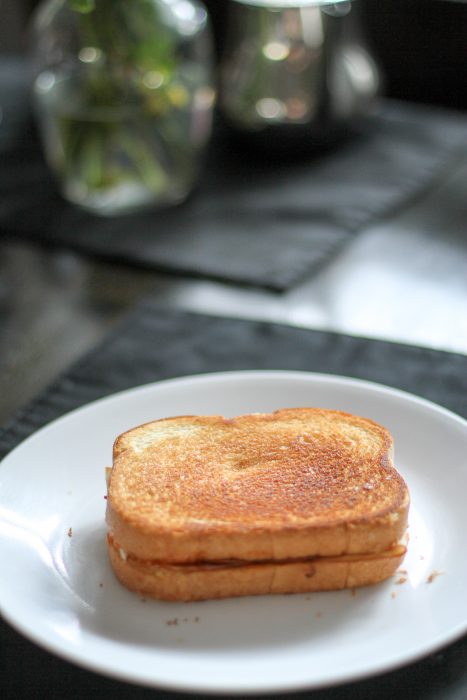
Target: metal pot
point(295, 68)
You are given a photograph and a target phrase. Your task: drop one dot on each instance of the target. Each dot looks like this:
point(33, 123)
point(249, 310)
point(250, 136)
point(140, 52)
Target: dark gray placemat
point(252, 220)
point(154, 344)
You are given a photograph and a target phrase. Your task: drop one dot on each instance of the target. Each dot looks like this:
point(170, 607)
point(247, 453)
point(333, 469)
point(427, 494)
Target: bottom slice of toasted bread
point(192, 582)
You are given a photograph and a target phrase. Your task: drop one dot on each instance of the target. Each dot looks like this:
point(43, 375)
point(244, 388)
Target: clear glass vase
point(124, 96)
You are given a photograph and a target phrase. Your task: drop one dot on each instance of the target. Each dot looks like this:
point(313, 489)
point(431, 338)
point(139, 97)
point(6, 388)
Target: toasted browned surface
point(295, 483)
point(204, 582)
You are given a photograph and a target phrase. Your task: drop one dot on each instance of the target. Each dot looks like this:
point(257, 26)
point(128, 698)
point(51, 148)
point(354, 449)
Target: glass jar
point(124, 96)
point(295, 67)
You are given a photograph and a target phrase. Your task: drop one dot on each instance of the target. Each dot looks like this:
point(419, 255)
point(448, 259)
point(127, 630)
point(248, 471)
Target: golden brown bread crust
point(190, 582)
point(294, 483)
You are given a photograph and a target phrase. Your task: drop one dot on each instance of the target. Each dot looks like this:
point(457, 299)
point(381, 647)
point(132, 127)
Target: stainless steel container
point(295, 68)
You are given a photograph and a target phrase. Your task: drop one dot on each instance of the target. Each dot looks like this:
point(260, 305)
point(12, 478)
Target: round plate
point(57, 587)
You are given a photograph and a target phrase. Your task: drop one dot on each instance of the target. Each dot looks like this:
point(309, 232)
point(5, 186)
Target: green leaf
point(83, 6)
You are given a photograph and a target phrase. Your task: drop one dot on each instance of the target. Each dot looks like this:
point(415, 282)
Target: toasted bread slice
point(296, 483)
point(189, 582)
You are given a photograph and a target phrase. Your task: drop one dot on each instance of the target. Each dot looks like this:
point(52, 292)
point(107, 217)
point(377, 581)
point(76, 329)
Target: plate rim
point(72, 655)
point(273, 373)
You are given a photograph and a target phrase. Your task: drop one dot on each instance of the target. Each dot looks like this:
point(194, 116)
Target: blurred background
point(402, 278)
point(420, 44)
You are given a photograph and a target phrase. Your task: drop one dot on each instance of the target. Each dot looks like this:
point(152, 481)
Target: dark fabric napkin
point(253, 219)
point(153, 344)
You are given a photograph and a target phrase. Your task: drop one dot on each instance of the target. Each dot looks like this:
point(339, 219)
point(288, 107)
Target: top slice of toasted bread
point(294, 483)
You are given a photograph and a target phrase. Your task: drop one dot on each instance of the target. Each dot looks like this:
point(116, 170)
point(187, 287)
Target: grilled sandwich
point(297, 500)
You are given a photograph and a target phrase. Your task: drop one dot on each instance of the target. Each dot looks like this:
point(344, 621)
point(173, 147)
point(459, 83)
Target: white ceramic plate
point(57, 587)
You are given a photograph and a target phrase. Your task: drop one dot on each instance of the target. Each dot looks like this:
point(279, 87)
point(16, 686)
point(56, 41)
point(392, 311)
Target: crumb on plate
point(433, 576)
